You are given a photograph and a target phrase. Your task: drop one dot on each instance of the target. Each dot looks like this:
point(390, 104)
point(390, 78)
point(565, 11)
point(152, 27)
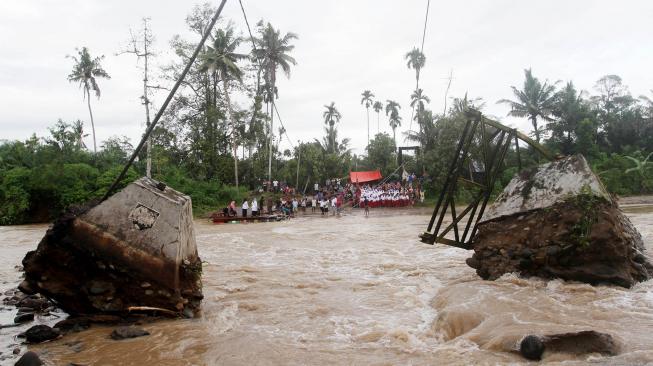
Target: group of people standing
point(331, 198)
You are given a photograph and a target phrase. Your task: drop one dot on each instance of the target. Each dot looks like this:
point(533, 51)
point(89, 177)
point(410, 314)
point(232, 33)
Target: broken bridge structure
point(552, 220)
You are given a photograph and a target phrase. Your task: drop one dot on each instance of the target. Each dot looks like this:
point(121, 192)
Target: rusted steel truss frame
point(495, 141)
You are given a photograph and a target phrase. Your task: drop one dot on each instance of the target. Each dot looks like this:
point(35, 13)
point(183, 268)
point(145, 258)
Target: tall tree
point(331, 117)
point(85, 71)
point(569, 111)
point(419, 98)
point(535, 100)
point(273, 52)
point(367, 101)
point(416, 60)
point(141, 49)
point(392, 108)
point(378, 107)
point(221, 59)
point(395, 121)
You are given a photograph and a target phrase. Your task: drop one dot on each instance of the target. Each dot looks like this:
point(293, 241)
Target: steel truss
point(478, 161)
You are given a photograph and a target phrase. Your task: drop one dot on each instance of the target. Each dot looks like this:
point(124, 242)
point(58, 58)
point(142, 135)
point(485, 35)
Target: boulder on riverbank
point(558, 221)
point(135, 250)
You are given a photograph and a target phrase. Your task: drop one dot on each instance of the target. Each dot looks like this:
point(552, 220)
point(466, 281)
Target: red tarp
point(364, 177)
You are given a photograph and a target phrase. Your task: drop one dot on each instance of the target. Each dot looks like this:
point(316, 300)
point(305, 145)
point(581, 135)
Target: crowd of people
point(329, 199)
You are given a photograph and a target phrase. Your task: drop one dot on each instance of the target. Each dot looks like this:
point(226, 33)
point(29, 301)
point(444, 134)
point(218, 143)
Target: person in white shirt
point(254, 208)
point(334, 204)
point(245, 207)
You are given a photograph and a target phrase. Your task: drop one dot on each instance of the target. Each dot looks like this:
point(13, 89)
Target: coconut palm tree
point(85, 72)
point(221, 59)
point(331, 117)
point(391, 107)
point(416, 60)
point(367, 101)
point(395, 121)
point(427, 137)
point(418, 98)
point(535, 100)
point(378, 107)
point(273, 52)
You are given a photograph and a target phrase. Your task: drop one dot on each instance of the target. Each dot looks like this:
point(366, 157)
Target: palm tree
point(460, 105)
point(395, 121)
point(220, 59)
point(391, 107)
point(367, 100)
point(331, 117)
point(533, 101)
point(273, 52)
point(418, 98)
point(416, 60)
point(378, 107)
point(427, 136)
point(85, 71)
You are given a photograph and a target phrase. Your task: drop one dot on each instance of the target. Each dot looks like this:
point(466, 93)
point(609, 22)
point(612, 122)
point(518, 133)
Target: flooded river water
point(356, 291)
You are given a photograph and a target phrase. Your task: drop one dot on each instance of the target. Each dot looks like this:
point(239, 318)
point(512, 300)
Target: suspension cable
point(282, 126)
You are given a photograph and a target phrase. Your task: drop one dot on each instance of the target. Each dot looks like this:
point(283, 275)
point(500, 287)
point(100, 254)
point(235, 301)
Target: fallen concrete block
point(558, 221)
point(96, 259)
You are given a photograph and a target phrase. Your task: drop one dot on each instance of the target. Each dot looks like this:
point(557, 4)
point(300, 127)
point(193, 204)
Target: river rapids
point(357, 291)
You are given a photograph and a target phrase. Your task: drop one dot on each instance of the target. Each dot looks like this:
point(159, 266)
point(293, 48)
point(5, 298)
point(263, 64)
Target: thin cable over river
point(354, 290)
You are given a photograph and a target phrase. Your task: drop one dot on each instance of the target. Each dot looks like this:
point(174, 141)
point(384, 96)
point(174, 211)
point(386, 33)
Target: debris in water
point(96, 259)
point(558, 221)
point(128, 332)
point(532, 347)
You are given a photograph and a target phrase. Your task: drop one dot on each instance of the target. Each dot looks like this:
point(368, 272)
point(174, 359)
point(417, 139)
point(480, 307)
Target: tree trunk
point(394, 138)
point(378, 128)
point(368, 124)
point(273, 77)
point(535, 129)
point(90, 112)
point(148, 167)
point(233, 127)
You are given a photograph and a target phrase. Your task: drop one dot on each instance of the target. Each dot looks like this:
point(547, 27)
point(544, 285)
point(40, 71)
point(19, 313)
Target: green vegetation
point(588, 203)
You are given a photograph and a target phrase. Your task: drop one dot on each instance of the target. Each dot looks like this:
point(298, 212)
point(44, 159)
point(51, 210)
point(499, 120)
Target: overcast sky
point(344, 47)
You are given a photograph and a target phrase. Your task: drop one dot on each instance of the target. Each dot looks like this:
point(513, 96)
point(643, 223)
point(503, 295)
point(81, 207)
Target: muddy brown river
point(352, 290)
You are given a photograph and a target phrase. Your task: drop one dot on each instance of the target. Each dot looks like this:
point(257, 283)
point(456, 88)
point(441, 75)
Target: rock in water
point(587, 341)
point(23, 318)
point(584, 342)
point(531, 347)
point(128, 332)
point(94, 259)
point(29, 359)
point(558, 221)
point(40, 333)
